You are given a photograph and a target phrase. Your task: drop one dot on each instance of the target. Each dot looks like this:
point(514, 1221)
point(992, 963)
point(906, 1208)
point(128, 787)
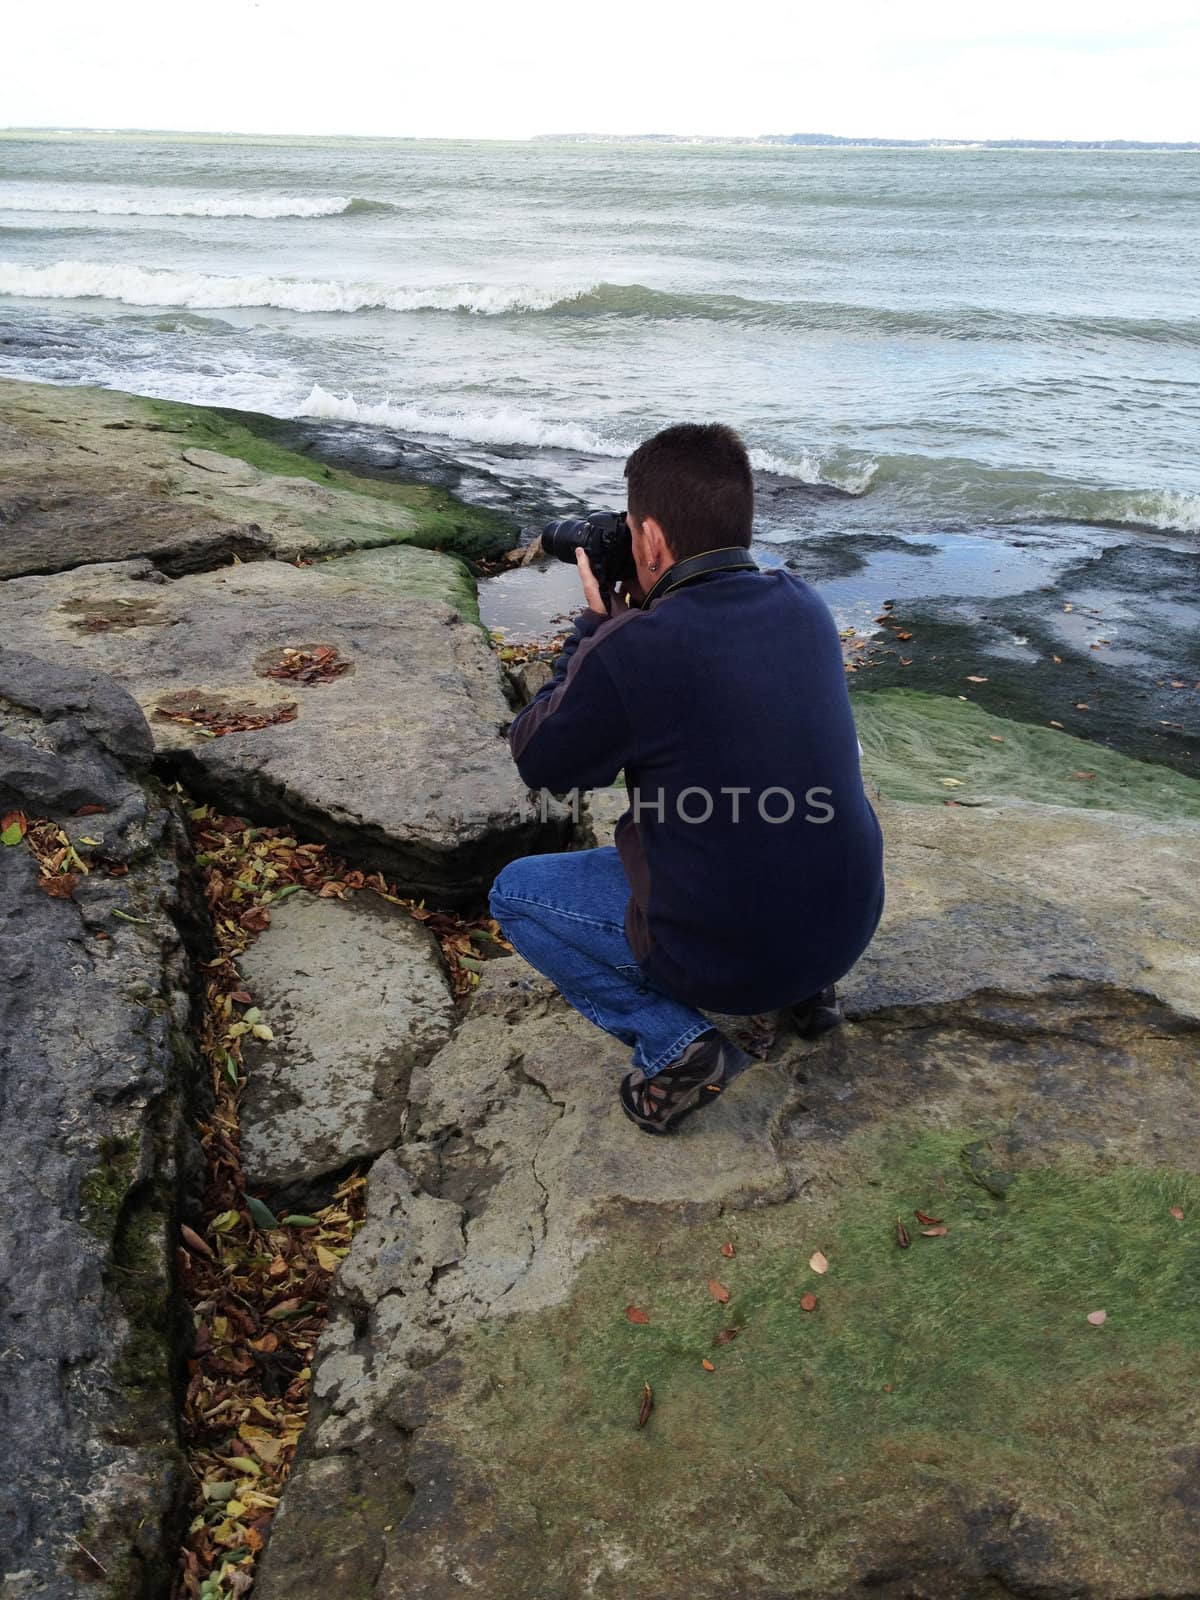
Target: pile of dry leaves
point(258, 1284)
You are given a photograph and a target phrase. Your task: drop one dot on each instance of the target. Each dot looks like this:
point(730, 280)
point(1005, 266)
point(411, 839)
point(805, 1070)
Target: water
point(971, 345)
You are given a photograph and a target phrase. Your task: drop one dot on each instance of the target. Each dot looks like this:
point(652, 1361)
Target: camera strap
point(735, 558)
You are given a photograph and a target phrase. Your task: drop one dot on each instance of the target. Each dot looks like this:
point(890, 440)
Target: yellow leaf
point(818, 1262)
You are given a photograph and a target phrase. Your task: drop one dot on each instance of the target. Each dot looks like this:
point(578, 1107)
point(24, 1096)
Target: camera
point(603, 535)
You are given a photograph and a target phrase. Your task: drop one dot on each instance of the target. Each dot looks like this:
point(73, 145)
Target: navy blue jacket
point(754, 859)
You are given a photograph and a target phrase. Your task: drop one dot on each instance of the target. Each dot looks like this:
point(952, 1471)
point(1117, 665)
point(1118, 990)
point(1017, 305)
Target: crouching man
point(748, 870)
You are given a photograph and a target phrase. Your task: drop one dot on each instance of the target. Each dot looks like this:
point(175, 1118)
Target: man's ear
point(657, 548)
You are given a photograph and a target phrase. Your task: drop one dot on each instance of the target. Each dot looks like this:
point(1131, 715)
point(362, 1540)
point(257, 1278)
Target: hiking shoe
point(659, 1103)
point(818, 1014)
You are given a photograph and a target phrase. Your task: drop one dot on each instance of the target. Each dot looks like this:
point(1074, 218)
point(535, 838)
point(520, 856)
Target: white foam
point(1167, 510)
point(203, 291)
point(503, 425)
point(73, 202)
point(814, 469)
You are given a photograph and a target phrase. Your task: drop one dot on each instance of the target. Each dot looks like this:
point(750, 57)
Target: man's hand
point(591, 584)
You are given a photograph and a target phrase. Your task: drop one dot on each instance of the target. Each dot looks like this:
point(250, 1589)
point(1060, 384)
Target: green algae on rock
point(931, 748)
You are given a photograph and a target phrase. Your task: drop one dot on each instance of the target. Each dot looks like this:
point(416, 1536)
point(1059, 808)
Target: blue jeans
point(566, 915)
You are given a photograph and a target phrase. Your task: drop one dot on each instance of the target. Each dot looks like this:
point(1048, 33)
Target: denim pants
point(566, 915)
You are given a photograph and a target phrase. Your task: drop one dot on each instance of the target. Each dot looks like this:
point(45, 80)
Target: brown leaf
point(14, 819)
point(91, 810)
point(718, 1290)
point(241, 998)
point(818, 1262)
point(1097, 1318)
point(971, 678)
point(1177, 1213)
point(808, 1302)
point(636, 1314)
point(647, 1405)
point(902, 1238)
point(707, 1365)
point(996, 738)
point(939, 1232)
point(727, 1250)
point(924, 1217)
point(193, 1240)
point(61, 886)
point(1086, 777)
point(904, 636)
point(1054, 724)
point(726, 1335)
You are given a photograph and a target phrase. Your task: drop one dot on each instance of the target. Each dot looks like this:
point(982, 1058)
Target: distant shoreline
point(767, 141)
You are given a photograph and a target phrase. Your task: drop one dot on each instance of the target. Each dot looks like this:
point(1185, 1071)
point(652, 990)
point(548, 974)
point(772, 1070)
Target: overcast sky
point(1059, 69)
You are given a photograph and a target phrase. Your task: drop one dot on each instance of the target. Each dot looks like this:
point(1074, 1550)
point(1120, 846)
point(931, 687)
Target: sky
point(1053, 69)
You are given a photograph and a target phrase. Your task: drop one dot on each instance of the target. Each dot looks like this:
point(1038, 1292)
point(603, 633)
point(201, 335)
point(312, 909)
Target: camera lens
point(562, 539)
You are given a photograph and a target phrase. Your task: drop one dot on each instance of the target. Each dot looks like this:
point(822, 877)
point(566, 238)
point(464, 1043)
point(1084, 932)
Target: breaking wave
point(167, 286)
point(200, 291)
point(508, 426)
point(148, 204)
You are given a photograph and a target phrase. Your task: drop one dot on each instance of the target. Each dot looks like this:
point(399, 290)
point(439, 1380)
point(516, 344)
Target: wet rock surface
point(1022, 1058)
point(355, 997)
point(96, 1087)
point(400, 758)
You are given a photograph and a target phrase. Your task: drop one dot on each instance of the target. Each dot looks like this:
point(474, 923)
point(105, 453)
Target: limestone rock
point(400, 760)
point(94, 1117)
point(355, 996)
point(1020, 1058)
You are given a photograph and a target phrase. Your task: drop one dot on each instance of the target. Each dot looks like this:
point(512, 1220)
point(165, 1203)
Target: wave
point(508, 426)
point(165, 286)
point(203, 291)
point(262, 206)
point(954, 487)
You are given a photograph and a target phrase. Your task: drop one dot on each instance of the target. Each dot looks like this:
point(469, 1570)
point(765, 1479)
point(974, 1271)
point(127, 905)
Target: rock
point(401, 760)
point(355, 995)
point(410, 572)
point(531, 676)
point(94, 475)
point(1020, 1060)
point(94, 1118)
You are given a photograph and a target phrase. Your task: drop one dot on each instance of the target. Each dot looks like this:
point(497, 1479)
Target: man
point(747, 874)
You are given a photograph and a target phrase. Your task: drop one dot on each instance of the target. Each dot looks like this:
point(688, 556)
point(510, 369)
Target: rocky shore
point(915, 1305)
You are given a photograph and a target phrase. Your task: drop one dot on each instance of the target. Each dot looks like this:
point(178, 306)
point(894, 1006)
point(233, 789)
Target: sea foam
point(201, 291)
point(148, 204)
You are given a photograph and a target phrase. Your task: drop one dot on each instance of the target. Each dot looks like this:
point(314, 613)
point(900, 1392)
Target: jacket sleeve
point(575, 733)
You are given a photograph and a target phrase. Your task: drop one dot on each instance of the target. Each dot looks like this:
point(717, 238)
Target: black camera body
point(605, 538)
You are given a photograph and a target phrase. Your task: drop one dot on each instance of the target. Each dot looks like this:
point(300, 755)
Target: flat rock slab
point(355, 995)
point(95, 1114)
point(945, 1420)
point(95, 475)
point(400, 760)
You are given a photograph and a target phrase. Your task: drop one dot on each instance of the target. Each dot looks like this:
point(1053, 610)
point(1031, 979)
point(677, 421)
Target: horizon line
point(794, 140)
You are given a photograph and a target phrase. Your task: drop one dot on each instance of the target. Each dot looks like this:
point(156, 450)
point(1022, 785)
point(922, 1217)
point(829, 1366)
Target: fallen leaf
point(91, 810)
point(61, 886)
point(647, 1405)
point(707, 1365)
point(1057, 660)
point(902, 1238)
point(718, 1290)
point(726, 1335)
point(262, 1215)
point(1096, 1318)
point(193, 1240)
point(1081, 705)
point(924, 1217)
point(1085, 777)
point(818, 1262)
point(1177, 1213)
point(971, 678)
point(241, 997)
point(727, 1250)
point(951, 783)
point(808, 1302)
point(1056, 724)
point(939, 1232)
point(297, 1219)
point(995, 738)
point(636, 1314)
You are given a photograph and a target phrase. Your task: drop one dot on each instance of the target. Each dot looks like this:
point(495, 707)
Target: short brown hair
point(694, 479)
